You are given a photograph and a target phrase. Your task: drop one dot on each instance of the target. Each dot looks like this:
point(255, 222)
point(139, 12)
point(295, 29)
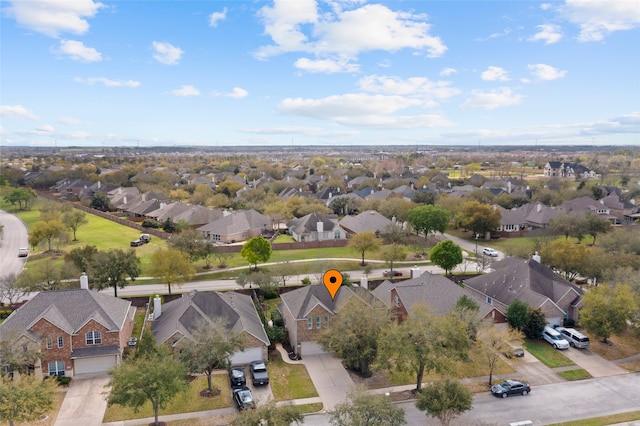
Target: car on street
point(490, 252)
point(510, 387)
point(243, 398)
point(137, 243)
point(23, 252)
point(259, 374)
point(237, 377)
point(392, 273)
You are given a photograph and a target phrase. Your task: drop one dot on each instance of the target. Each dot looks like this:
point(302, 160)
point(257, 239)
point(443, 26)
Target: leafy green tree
point(518, 314)
point(158, 379)
point(535, 325)
point(444, 400)
point(479, 217)
point(82, 257)
point(606, 310)
point(211, 348)
point(565, 257)
point(112, 268)
point(171, 266)
point(353, 335)
point(10, 289)
point(422, 341)
point(257, 249)
point(361, 409)
point(595, 225)
point(447, 255)
point(393, 253)
point(169, 226)
point(74, 219)
point(494, 341)
point(18, 355)
point(569, 224)
point(100, 201)
point(25, 399)
point(46, 231)
point(269, 414)
point(24, 197)
point(467, 310)
point(363, 242)
point(428, 218)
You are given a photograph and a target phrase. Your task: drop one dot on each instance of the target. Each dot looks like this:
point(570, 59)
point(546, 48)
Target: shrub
point(150, 223)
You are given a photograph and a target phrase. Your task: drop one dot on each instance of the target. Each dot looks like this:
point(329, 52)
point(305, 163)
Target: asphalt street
point(14, 236)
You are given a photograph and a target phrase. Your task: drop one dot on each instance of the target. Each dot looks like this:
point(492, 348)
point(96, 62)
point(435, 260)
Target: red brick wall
point(108, 338)
point(46, 329)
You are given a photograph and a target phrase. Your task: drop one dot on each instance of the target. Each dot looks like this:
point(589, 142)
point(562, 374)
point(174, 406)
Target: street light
point(477, 235)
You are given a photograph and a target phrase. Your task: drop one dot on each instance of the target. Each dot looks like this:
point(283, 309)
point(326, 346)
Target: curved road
point(14, 236)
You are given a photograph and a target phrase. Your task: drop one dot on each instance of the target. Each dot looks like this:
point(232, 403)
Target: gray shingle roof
point(369, 220)
point(299, 302)
point(184, 315)
point(95, 351)
point(70, 310)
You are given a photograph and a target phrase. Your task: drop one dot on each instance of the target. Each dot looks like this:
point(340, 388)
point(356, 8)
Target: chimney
point(536, 257)
point(509, 187)
point(364, 283)
point(124, 199)
point(157, 307)
point(320, 229)
point(393, 220)
point(415, 272)
point(84, 281)
point(538, 207)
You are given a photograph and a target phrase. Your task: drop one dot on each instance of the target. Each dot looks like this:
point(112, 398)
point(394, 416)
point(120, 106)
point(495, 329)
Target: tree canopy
point(25, 399)
point(447, 255)
point(269, 414)
point(607, 309)
point(74, 219)
point(363, 242)
point(444, 400)
point(172, 266)
point(257, 249)
point(360, 409)
point(479, 217)
point(114, 267)
point(428, 218)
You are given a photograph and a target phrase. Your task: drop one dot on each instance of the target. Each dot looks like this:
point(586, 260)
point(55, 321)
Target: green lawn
point(577, 374)
point(546, 354)
point(289, 381)
point(186, 402)
point(604, 420)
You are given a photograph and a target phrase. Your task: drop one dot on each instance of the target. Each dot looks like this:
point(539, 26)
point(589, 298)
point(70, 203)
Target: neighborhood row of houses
point(81, 331)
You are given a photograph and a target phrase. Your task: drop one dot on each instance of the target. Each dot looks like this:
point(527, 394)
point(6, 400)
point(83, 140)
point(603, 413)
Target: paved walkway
point(85, 402)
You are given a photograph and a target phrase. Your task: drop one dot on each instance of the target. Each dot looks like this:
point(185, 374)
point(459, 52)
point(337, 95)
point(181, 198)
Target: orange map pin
point(332, 280)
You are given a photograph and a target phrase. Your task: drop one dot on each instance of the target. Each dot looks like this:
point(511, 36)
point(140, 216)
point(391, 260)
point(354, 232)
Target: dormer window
point(396, 300)
point(93, 338)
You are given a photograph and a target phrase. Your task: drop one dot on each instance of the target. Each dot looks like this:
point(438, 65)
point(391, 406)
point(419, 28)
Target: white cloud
point(495, 74)
point(69, 121)
point(448, 71)
point(548, 33)
point(328, 66)
point(546, 72)
point(53, 17)
point(338, 107)
point(216, 17)
point(17, 111)
point(420, 87)
point(599, 18)
point(166, 53)
point(107, 82)
point(237, 93)
point(45, 129)
point(186, 90)
point(546, 6)
point(300, 27)
point(493, 99)
point(77, 51)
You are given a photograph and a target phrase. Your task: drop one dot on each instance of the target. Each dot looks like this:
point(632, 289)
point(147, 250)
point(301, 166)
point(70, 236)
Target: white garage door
point(247, 356)
point(98, 364)
point(311, 348)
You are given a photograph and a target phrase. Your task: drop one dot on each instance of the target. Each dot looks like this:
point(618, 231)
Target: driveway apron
point(593, 363)
point(85, 402)
point(329, 377)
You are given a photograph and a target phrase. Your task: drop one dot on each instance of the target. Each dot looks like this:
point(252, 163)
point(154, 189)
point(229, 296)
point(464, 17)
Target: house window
point(49, 343)
point(310, 323)
point(336, 234)
point(60, 342)
point(489, 300)
point(318, 322)
point(94, 338)
point(215, 237)
point(56, 368)
point(326, 321)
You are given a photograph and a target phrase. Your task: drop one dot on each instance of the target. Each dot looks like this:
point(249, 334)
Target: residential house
point(568, 170)
point(308, 310)
point(316, 227)
point(236, 226)
point(367, 221)
point(79, 331)
point(532, 283)
point(586, 205)
point(178, 319)
point(435, 292)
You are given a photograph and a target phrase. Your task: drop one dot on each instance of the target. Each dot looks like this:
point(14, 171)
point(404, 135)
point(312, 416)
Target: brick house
point(308, 310)
point(79, 331)
point(178, 319)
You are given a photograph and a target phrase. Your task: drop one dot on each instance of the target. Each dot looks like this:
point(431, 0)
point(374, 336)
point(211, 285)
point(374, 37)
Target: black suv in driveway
point(510, 387)
point(243, 398)
point(259, 375)
point(237, 377)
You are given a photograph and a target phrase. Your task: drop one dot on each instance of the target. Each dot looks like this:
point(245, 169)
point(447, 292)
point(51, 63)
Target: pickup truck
point(259, 375)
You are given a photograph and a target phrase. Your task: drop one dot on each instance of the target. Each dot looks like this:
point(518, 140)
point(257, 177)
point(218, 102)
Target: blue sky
point(314, 72)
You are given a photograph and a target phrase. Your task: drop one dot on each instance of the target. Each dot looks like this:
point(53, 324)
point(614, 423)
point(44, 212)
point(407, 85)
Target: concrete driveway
point(593, 363)
point(329, 377)
point(85, 401)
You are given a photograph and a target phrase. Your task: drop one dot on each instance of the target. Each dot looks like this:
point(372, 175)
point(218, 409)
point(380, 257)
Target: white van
point(574, 337)
point(554, 338)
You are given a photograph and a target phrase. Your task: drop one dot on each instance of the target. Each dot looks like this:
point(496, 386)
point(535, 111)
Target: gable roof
point(70, 310)
point(369, 220)
point(236, 223)
point(309, 223)
point(527, 280)
point(301, 301)
point(183, 315)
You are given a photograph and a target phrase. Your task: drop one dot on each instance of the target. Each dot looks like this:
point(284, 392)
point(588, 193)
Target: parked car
point(132, 341)
point(243, 398)
point(136, 243)
point(490, 252)
point(392, 273)
point(554, 338)
point(259, 375)
point(145, 238)
point(23, 252)
point(574, 337)
point(237, 377)
point(510, 387)
point(514, 350)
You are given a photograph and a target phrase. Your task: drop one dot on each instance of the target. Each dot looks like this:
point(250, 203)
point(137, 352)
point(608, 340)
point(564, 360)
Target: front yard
point(546, 354)
point(289, 381)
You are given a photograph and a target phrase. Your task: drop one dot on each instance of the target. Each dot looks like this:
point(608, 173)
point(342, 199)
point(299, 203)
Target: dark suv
point(259, 375)
point(237, 377)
